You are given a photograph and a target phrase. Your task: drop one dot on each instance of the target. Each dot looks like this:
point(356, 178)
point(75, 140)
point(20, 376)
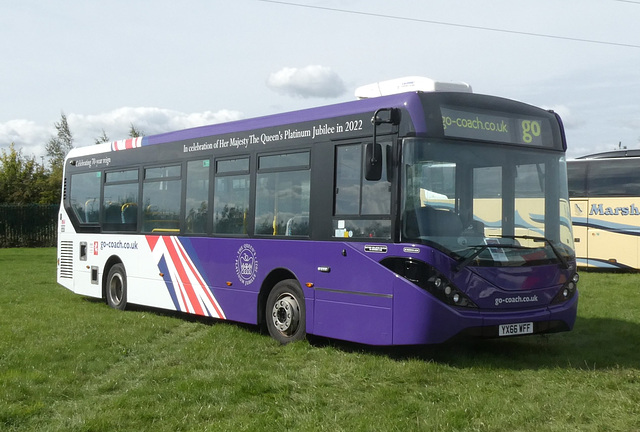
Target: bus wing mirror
point(373, 162)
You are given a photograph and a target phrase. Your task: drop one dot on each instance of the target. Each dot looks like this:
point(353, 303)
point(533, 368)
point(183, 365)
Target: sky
point(164, 65)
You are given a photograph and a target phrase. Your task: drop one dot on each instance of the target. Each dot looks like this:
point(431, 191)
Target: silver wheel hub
point(115, 288)
point(286, 314)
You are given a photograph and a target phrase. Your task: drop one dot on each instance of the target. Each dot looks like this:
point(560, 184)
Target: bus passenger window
point(231, 196)
point(613, 178)
point(85, 196)
point(231, 204)
point(577, 179)
point(282, 196)
point(120, 201)
point(197, 196)
point(161, 200)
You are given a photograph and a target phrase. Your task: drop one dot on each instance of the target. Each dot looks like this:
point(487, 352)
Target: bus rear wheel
point(116, 289)
point(285, 312)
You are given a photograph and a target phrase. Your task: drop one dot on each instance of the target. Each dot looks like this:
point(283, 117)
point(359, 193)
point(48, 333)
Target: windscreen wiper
point(481, 248)
point(562, 259)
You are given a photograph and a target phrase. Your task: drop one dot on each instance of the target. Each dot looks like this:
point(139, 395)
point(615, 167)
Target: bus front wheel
point(285, 312)
point(116, 289)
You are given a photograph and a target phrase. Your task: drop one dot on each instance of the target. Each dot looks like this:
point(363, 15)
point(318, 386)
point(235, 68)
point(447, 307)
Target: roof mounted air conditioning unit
point(409, 84)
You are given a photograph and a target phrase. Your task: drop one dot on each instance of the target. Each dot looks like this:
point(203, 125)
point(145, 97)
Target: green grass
point(72, 364)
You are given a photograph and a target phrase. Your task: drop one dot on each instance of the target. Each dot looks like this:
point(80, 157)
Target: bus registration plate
point(515, 329)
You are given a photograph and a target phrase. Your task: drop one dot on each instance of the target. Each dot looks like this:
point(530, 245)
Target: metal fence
point(30, 225)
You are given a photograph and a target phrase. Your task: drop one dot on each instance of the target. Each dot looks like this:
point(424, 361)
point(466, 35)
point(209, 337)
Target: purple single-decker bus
point(406, 218)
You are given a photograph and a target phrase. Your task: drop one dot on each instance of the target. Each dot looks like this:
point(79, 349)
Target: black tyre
point(286, 313)
point(116, 289)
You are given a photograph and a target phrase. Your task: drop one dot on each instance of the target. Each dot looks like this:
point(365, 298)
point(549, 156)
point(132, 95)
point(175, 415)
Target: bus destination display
point(494, 127)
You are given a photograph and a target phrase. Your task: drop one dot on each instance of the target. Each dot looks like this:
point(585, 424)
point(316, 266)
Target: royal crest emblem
point(246, 264)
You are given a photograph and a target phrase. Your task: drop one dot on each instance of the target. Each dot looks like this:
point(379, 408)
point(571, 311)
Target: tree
point(59, 145)
point(57, 149)
point(102, 138)
point(135, 133)
point(22, 179)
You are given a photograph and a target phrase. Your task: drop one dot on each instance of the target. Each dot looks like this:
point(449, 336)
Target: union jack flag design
point(187, 287)
point(126, 144)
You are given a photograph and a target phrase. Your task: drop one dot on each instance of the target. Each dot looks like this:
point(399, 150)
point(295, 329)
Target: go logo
point(530, 129)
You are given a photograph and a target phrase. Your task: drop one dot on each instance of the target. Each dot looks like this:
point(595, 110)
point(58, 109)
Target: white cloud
point(307, 82)
point(148, 120)
point(85, 128)
point(26, 135)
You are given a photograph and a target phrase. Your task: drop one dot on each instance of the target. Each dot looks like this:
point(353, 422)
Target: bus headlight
point(429, 279)
point(447, 291)
point(567, 291)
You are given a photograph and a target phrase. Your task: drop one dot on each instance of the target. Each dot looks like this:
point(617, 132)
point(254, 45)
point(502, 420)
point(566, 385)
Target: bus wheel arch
point(114, 283)
point(281, 307)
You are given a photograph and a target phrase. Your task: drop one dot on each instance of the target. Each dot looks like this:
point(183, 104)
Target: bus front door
point(580, 219)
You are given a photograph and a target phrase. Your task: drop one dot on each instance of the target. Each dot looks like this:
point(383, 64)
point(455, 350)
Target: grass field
point(72, 364)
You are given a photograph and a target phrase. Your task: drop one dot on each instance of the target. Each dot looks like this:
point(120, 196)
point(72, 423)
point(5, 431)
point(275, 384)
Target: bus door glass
point(577, 181)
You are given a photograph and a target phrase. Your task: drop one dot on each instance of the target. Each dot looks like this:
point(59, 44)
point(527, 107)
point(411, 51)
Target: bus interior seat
point(474, 228)
point(297, 225)
point(129, 213)
point(113, 213)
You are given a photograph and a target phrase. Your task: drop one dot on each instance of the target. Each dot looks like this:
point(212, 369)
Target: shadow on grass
point(593, 344)
point(184, 316)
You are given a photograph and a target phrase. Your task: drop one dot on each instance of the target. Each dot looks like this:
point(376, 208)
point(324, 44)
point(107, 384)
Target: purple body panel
point(360, 300)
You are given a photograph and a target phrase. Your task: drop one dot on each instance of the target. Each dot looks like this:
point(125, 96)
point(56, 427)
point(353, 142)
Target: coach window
point(282, 195)
point(85, 196)
point(577, 174)
point(161, 199)
point(197, 196)
point(231, 196)
point(613, 178)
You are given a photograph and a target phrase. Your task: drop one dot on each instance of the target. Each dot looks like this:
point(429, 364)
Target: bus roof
point(613, 154)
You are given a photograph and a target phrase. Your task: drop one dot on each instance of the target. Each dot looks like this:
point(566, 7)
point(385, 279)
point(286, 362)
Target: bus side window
point(613, 178)
point(120, 201)
point(85, 196)
point(231, 196)
point(283, 194)
point(577, 179)
point(161, 198)
point(197, 196)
